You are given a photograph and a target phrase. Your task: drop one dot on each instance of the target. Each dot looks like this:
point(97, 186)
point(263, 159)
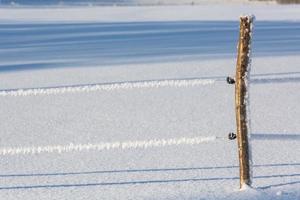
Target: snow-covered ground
point(16, 3)
point(205, 12)
point(132, 103)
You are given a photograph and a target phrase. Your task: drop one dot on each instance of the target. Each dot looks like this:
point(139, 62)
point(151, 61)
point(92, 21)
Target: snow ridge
point(144, 144)
point(108, 87)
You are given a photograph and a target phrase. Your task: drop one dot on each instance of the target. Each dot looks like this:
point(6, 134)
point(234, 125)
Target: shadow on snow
point(40, 45)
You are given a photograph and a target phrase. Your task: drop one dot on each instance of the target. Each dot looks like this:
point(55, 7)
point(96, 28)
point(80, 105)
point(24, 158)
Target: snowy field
point(16, 3)
point(132, 103)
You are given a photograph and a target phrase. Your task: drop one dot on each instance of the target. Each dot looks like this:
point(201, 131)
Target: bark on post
point(241, 99)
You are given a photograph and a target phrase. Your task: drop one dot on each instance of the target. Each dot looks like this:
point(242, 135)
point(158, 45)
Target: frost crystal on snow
point(107, 146)
point(109, 87)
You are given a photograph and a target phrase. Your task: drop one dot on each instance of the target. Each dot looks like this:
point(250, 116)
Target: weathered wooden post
point(242, 99)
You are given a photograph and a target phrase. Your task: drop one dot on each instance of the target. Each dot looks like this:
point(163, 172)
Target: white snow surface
point(152, 13)
point(132, 103)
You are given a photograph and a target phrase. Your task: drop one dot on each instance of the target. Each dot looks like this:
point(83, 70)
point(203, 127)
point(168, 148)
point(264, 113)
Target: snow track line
point(105, 146)
point(177, 83)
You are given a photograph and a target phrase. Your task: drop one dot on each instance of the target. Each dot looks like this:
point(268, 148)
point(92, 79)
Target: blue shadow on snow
point(102, 44)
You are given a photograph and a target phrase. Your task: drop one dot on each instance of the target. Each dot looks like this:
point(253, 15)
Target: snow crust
point(208, 12)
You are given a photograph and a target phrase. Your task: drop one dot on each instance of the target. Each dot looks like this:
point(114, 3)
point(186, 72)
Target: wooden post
point(241, 98)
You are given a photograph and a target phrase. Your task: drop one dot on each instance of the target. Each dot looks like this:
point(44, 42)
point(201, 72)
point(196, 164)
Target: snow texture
point(106, 146)
point(208, 12)
point(247, 79)
point(160, 76)
point(109, 87)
